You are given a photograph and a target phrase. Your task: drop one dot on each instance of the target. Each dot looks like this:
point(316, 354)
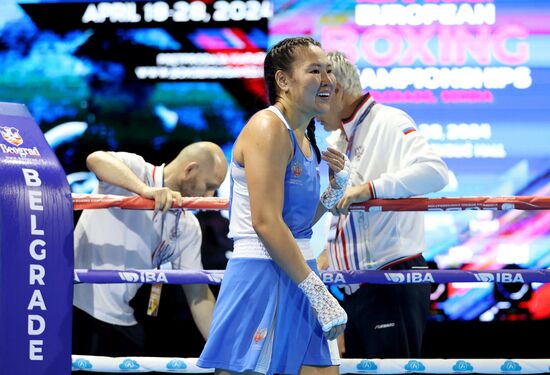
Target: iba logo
point(11, 135)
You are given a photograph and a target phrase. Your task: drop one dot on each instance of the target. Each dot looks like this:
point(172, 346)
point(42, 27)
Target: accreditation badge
point(154, 299)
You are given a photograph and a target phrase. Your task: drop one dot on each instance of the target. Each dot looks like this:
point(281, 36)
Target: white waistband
point(254, 248)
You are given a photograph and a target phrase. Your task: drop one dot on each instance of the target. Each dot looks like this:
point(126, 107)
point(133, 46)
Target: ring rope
point(331, 278)
point(95, 201)
point(348, 366)
point(352, 366)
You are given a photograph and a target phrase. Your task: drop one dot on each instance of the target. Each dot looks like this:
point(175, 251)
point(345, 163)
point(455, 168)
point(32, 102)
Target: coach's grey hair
point(345, 72)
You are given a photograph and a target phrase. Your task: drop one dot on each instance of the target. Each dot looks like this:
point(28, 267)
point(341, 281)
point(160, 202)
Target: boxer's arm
point(266, 150)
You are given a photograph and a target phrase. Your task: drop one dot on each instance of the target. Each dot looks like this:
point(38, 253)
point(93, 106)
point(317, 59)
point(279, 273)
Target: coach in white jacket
point(390, 159)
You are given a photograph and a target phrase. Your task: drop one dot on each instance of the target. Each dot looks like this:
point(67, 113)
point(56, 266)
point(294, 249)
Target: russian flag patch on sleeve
point(408, 130)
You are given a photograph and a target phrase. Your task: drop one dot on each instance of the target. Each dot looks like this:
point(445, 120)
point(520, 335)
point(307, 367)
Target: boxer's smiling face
point(310, 81)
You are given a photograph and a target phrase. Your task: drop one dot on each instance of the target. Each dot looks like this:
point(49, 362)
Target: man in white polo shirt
point(104, 322)
point(389, 159)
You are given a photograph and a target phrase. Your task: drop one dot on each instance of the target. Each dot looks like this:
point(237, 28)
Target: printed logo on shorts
point(11, 135)
point(260, 334)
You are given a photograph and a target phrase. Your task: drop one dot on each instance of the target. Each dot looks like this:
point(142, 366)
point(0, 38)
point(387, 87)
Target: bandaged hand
point(338, 184)
point(329, 313)
point(342, 177)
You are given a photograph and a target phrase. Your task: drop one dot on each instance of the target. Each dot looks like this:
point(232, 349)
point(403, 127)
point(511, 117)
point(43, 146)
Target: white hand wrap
point(332, 195)
point(342, 177)
point(329, 313)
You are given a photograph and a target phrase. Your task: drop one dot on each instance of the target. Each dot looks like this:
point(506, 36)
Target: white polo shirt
point(125, 239)
point(395, 160)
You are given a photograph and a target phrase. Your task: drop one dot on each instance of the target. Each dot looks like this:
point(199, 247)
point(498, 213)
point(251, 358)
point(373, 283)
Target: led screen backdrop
point(152, 76)
point(475, 76)
point(133, 76)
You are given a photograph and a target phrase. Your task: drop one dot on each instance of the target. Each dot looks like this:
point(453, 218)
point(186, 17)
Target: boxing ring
point(37, 270)
point(348, 366)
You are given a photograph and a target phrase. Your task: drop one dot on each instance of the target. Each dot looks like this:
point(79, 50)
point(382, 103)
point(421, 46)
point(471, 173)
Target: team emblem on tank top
point(296, 169)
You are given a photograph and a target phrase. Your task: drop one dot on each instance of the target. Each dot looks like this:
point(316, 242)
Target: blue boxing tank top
point(301, 195)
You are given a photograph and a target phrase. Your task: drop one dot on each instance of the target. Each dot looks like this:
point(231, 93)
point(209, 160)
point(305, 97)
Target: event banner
point(36, 253)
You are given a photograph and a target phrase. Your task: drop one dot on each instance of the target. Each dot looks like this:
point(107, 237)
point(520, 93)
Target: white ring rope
point(348, 366)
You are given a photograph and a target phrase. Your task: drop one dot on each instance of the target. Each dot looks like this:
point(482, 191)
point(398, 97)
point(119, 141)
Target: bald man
point(104, 322)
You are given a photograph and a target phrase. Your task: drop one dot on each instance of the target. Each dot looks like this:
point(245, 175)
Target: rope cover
point(330, 278)
point(95, 201)
point(348, 366)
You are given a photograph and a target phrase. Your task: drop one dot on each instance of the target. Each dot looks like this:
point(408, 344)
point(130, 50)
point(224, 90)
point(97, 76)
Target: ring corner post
point(36, 251)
